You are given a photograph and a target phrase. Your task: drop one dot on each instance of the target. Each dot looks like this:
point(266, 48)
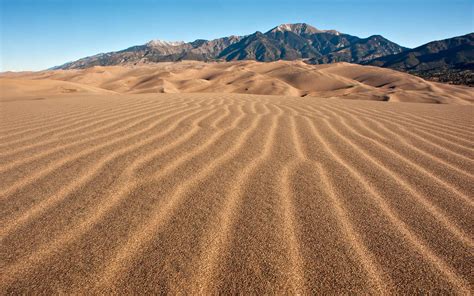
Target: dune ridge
point(289, 78)
point(223, 193)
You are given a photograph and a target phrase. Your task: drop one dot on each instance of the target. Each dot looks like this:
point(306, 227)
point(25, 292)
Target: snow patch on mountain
point(158, 42)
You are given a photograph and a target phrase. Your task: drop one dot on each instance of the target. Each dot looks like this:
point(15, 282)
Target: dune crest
point(295, 78)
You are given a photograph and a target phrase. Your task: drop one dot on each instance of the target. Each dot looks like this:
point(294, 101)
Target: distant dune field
point(296, 78)
point(204, 193)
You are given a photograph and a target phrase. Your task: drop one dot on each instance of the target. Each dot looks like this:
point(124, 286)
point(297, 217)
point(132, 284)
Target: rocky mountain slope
point(449, 60)
point(284, 42)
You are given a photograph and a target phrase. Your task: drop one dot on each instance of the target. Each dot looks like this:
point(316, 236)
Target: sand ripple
point(226, 193)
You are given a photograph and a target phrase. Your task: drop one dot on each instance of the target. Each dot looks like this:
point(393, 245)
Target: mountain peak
point(301, 28)
point(304, 42)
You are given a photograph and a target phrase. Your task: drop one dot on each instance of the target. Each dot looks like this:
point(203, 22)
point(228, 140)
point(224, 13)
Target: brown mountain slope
point(449, 60)
point(284, 42)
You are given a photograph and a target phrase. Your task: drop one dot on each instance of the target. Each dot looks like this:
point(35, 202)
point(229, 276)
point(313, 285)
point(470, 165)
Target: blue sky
point(38, 34)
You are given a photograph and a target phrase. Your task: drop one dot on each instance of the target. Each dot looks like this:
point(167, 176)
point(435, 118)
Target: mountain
point(449, 60)
point(157, 51)
point(360, 50)
point(284, 42)
point(300, 29)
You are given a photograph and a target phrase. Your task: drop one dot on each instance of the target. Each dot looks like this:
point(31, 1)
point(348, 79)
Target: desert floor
point(202, 193)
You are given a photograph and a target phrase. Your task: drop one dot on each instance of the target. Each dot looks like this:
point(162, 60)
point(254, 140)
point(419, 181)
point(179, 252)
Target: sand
point(106, 192)
point(295, 78)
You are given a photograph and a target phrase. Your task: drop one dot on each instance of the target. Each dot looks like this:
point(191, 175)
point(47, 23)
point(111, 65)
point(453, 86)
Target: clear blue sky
point(38, 34)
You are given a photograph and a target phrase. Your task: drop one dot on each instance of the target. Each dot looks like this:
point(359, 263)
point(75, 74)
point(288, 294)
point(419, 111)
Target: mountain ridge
point(449, 60)
point(283, 42)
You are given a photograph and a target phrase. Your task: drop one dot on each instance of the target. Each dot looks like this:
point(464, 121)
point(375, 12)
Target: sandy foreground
point(205, 193)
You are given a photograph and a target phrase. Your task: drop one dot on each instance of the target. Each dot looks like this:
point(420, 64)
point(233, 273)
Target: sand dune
point(294, 78)
point(103, 192)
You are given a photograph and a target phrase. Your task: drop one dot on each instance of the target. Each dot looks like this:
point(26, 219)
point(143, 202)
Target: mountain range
point(449, 60)
point(284, 42)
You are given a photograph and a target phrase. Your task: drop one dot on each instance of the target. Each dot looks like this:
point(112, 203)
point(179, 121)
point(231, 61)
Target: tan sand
point(205, 193)
point(295, 78)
